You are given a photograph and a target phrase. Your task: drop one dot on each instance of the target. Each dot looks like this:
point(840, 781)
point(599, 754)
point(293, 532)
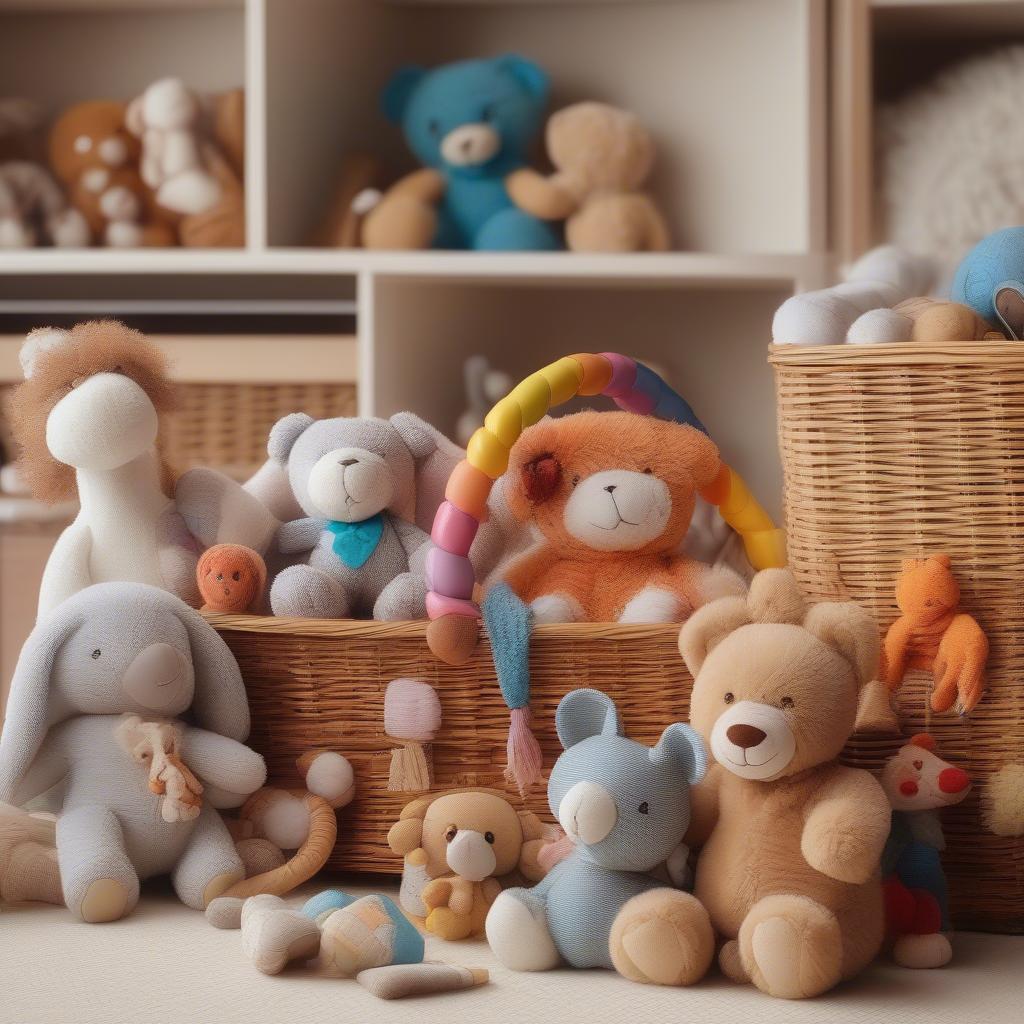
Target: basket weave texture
point(895, 451)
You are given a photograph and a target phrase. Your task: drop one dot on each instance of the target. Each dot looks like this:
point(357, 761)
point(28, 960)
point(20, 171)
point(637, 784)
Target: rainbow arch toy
point(634, 388)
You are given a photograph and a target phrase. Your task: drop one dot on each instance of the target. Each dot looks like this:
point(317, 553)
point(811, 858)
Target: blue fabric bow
point(355, 542)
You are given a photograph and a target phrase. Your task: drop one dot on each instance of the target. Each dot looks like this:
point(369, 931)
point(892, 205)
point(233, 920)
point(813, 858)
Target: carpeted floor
point(166, 965)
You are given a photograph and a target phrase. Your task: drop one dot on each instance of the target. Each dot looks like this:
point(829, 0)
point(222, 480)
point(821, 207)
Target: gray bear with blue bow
point(363, 485)
point(626, 807)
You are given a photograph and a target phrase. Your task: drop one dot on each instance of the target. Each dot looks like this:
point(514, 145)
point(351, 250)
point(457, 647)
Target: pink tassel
point(524, 757)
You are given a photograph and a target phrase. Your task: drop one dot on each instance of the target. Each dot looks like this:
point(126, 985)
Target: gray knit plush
point(111, 649)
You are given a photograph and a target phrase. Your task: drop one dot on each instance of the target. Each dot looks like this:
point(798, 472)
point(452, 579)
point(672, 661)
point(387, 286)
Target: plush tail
point(525, 759)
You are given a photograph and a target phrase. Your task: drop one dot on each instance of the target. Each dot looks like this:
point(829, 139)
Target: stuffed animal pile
point(164, 169)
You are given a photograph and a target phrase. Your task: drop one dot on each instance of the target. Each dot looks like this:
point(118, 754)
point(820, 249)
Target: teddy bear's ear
point(540, 478)
point(852, 631)
point(285, 432)
point(585, 713)
point(708, 627)
point(775, 597)
point(533, 78)
point(37, 342)
point(680, 745)
point(399, 89)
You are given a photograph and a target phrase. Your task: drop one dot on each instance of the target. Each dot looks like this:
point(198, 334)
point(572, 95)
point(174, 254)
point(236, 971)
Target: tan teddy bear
point(458, 847)
point(602, 156)
point(792, 840)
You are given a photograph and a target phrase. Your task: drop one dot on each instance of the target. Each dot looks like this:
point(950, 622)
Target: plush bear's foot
point(105, 900)
point(405, 597)
point(302, 592)
point(663, 937)
point(791, 947)
point(219, 884)
point(274, 934)
point(922, 952)
point(446, 924)
point(519, 936)
point(730, 963)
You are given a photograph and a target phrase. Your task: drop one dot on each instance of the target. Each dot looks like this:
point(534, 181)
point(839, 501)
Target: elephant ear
point(434, 457)
point(220, 703)
point(31, 707)
point(585, 713)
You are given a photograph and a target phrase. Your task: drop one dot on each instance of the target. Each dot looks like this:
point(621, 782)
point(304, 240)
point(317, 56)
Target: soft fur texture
point(459, 848)
point(627, 807)
point(87, 421)
point(990, 279)
point(112, 649)
point(96, 158)
point(611, 495)
point(602, 157)
point(34, 210)
point(934, 635)
point(470, 123)
point(949, 172)
point(918, 784)
point(789, 869)
point(232, 578)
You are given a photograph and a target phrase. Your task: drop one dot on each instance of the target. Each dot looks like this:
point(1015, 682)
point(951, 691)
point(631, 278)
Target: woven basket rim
point(964, 353)
point(416, 629)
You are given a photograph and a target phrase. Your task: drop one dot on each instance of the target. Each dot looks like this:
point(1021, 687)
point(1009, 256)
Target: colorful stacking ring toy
point(633, 387)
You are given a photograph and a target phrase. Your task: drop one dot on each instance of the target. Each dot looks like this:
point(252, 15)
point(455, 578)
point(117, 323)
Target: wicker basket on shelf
point(893, 451)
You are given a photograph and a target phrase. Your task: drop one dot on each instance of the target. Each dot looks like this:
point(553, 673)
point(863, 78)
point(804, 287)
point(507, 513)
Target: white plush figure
point(86, 421)
point(485, 387)
point(164, 117)
point(879, 280)
point(34, 211)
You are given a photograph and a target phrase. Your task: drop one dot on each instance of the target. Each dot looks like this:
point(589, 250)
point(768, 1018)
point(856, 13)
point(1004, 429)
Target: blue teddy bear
point(626, 807)
point(471, 124)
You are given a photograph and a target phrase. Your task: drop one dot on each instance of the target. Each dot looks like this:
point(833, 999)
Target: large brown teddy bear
point(459, 847)
point(792, 840)
point(612, 494)
point(602, 157)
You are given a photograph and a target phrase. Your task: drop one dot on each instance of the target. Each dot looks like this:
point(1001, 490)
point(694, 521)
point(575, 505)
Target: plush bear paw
point(662, 937)
point(303, 592)
point(519, 936)
point(791, 947)
point(730, 963)
point(274, 934)
point(653, 604)
point(922, 952)
point(553, 608)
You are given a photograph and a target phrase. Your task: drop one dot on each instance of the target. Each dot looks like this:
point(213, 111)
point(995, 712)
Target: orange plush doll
point(934, 635)
point(612, 494)
point(232, 578)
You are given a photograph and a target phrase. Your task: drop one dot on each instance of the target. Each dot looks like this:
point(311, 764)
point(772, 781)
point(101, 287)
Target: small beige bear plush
point(602, 156)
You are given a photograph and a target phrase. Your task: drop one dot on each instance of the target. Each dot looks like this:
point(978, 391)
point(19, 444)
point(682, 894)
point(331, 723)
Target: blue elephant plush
point(471, 124)
point(626, 807)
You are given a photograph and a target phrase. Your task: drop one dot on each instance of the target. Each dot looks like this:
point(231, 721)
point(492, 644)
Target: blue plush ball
point(996, 259)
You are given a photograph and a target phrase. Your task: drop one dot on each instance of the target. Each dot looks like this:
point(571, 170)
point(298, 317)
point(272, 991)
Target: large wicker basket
point(892, 451)
point(320, 683)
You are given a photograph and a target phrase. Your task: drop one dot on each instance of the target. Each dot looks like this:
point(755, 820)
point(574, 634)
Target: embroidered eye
point(489, 836)
point(648, 471)
point(236, 575)
point(220, 577)
point(919, 765)
point(728, 698)
point(96, 654)
point(451, 833)
point(575, 480)
point(644, 808)
point(787, 702)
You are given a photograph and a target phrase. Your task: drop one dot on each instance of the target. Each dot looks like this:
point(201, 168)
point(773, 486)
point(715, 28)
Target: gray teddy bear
point(626, 807)
point(111, 650)
point(361, 484)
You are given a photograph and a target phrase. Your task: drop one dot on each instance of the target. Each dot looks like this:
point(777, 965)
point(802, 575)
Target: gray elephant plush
point(367, 487)
point(129, 697)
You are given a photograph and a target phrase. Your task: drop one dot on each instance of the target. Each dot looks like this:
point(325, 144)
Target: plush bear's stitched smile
point(618, 510)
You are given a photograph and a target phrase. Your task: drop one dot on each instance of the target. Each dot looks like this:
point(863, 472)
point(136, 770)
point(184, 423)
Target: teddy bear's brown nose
point(610, 488)
point(745, 735)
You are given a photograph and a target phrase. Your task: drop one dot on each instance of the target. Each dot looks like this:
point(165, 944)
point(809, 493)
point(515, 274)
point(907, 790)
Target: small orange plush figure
point(934, 635)
point(232, 578)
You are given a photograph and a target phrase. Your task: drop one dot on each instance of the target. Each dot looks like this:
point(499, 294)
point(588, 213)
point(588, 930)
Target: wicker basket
point(892, 451)
point(320, 683)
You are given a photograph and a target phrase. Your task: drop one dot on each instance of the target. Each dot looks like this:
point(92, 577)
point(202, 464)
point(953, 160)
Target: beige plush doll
point(602, 157)
point(792, 840)
point(457, 846)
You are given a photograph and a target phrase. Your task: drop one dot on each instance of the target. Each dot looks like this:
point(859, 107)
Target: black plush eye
point(644, 808)
point(451, 833)
point(434, 127)
point(787, 702)
point(118, 368)
point(236, 575)
point(489, 836)
point(575, 480)
point(220, 577)
point(96, 654)
point(649, 471)
point(728, 698)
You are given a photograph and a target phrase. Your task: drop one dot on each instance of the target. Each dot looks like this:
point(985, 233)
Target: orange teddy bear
point(934, 635)
point(612, 493)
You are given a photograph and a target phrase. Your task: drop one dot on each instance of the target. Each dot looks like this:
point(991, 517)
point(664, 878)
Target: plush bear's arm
point(703, 808)
point(415, 542)
point(299, 535)
point(426, 184)
point(846, 824)
point(405, 836)
point(231, 768)
point(546, 198)
point(894, 652)
point(701, 584)
point(67, 568)
point(529, 863)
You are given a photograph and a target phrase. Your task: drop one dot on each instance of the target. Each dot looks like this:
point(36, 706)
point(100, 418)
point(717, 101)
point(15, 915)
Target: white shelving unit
point(734, 91)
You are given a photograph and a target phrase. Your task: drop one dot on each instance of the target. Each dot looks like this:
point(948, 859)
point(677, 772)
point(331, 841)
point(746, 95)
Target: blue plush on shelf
point(474, 121)
point(995, 263)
